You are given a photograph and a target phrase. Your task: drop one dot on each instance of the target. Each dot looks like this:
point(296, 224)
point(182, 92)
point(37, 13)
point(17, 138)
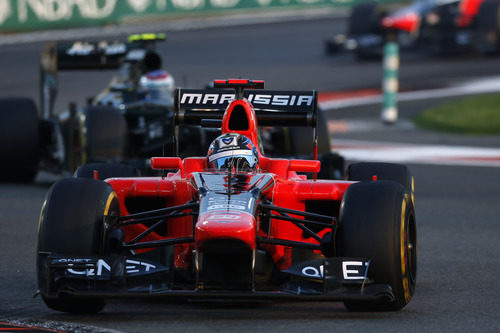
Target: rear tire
point(377, 221)
point(332, 166)
point(71, 224)
point(487, 32)
point(105, 137)
point(399, 173)
point(19, 139)
point(301, 138)
point(334, 45)
point(365, 21)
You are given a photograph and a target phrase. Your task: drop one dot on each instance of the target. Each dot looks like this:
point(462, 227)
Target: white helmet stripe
point(227, 153)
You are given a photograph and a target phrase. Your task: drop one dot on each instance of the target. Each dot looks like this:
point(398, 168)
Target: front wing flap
point(331, 279)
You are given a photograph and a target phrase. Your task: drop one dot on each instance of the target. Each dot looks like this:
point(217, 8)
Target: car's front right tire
point(377, 221)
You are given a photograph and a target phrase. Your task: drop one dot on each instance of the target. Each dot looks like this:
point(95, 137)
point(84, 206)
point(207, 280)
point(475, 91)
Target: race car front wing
point(330, 279)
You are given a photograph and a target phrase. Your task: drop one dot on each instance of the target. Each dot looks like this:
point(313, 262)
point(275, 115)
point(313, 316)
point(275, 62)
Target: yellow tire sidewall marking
point(406, 286)
point(412, 190)
point(111, 196)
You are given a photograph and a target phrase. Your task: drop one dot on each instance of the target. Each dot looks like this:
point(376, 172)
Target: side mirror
point(166, 163)
point(304, 166)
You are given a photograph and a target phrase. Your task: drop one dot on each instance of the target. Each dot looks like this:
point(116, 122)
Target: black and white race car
point(127, 121)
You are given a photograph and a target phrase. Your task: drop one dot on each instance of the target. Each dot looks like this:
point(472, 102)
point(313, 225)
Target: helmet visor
point(239, 159)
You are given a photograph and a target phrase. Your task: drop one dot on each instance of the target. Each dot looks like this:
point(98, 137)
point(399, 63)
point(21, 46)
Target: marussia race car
point(439, 26)
point(233, 224)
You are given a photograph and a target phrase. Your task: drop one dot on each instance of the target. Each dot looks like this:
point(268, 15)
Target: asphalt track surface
point(457, 207)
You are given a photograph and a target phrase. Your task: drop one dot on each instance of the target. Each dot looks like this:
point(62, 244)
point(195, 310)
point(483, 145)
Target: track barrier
point(29, 15)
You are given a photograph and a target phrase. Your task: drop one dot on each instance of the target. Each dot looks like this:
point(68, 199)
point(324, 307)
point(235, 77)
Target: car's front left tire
point(72, 225)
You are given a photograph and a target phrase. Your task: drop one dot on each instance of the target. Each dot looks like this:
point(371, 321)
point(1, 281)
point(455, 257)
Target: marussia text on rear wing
point(289, 108)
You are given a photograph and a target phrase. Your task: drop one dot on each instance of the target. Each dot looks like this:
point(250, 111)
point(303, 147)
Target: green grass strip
point(471, 115)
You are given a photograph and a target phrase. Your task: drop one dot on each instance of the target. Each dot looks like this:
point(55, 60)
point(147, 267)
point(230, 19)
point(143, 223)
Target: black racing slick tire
point(301, 138)
point(365, 21)
point(377, 221)
point(334, 45)
point(19, 139)
point(332, 166)
point(105, 136)
point(72, 225)
point(106, 170)
point(486, 38)
point(364, 18)
point(368, 171)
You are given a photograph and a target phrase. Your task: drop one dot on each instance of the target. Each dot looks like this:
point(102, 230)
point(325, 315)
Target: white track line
point(415, 153)
point(472, 87)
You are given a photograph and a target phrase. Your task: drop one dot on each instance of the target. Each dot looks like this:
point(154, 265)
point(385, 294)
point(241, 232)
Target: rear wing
point(85, 55)
point(90, 55)
point(272, 108)
point(286, 108)
point(104, 54)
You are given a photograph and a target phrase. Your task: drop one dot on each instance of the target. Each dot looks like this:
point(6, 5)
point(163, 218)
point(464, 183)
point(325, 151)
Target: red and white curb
point(416, 153)
point(14, 327)
point(337, 100)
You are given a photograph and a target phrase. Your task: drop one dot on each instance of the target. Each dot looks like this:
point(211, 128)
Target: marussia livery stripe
point(227, 153)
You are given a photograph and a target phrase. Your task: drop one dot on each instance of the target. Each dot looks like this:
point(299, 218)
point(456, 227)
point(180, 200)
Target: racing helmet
point(156, 83)
point(233, 151)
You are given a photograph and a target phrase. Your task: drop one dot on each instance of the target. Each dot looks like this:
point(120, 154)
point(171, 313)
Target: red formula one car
point(438, 26)
point(234, 223)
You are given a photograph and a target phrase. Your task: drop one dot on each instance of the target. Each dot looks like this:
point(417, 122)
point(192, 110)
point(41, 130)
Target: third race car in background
point(438, 26)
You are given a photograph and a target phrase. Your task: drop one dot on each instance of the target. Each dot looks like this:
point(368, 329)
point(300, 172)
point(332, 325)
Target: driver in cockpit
point(156, 83)
point(233, 151)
